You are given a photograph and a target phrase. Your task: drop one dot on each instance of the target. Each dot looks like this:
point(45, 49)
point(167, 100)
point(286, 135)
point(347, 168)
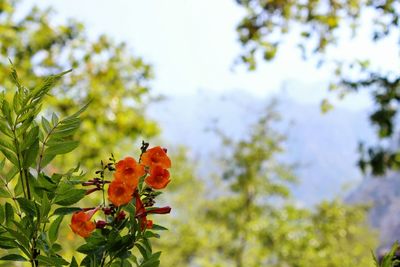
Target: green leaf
point(31, 154)
point(27, 206)
point(66, 210)
point(150, 234)
point(74, 263)
point(54, 227)
point(65, 147)
point(13, 257)
point(157, 227)
point(4, 193)
point(79, 112)
point(142, 250)
point(2, 214)
point(54, 119)
point(69, 197)
point(52, 261)
point(5, 108)
point(7, 143)
point(31, 137)
point(9, 213)
point(10, 156)
point(44, 206)
point(11, 174)
point(5, 129)
point(46, 125)
point(20, 237)
point(151, 263)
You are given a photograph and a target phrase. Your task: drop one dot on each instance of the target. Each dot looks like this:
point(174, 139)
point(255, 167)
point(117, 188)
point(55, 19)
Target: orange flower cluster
point(157, 163)
point(126, 179)
point(128, 172)
point(121, 190)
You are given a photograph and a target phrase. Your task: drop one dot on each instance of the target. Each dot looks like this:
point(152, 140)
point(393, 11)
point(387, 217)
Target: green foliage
point(41, 198)
point(391, 259)
point(248, 218)
point(317, 24)
point(27, 148)
point(105, 74)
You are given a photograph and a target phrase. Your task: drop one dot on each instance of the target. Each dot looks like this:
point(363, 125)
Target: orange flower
point(156, 156)
point(120, 193)
point(158, 178)
point(81, 224)
point(129, 171)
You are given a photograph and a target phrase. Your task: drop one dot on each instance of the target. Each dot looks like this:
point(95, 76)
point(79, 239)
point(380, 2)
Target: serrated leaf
point(53, 229)
point(13, 257)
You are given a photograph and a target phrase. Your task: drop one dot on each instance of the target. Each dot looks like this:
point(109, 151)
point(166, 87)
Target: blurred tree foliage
point(104, 72)
point(251, 220)
point(319, 25)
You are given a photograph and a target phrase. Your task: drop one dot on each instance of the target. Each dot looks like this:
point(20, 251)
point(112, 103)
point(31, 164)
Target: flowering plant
point(35, 201)
point(125, 224)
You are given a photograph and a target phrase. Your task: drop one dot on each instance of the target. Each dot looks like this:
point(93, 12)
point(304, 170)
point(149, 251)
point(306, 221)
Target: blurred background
point(280, 116)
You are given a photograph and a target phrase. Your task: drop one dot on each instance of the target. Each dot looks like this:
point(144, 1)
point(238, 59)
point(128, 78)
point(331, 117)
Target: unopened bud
point(100, 224)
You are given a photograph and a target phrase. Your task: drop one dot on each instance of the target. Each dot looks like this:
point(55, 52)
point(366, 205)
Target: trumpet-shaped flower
point(120, 193)
point(129, 171)
point(158, 178)
point(81, 224)
point(156, 156)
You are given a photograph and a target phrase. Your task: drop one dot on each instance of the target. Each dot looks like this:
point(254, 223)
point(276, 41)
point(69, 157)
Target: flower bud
point(100, 224)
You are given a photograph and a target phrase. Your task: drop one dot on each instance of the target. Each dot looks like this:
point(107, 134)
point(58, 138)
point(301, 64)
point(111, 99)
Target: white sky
point(192, 45)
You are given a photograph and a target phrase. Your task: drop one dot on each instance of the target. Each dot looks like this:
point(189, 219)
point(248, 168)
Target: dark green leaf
point(4, 193)
point(10, 156)
point(66, 210)
point(31, 137)
point(9, 213)
point(13, 257)
point(31, 154)
point(157, 227)
point(52, 261)
point(46, 125)
point(5, 129)
point(69, 197)
point(65, 147)
point(74, 263)
point(54, 227)
point(27, 206)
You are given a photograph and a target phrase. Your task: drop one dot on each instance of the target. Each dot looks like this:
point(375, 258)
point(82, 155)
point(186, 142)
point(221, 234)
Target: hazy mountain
point(324, 145)
point(383, 194)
